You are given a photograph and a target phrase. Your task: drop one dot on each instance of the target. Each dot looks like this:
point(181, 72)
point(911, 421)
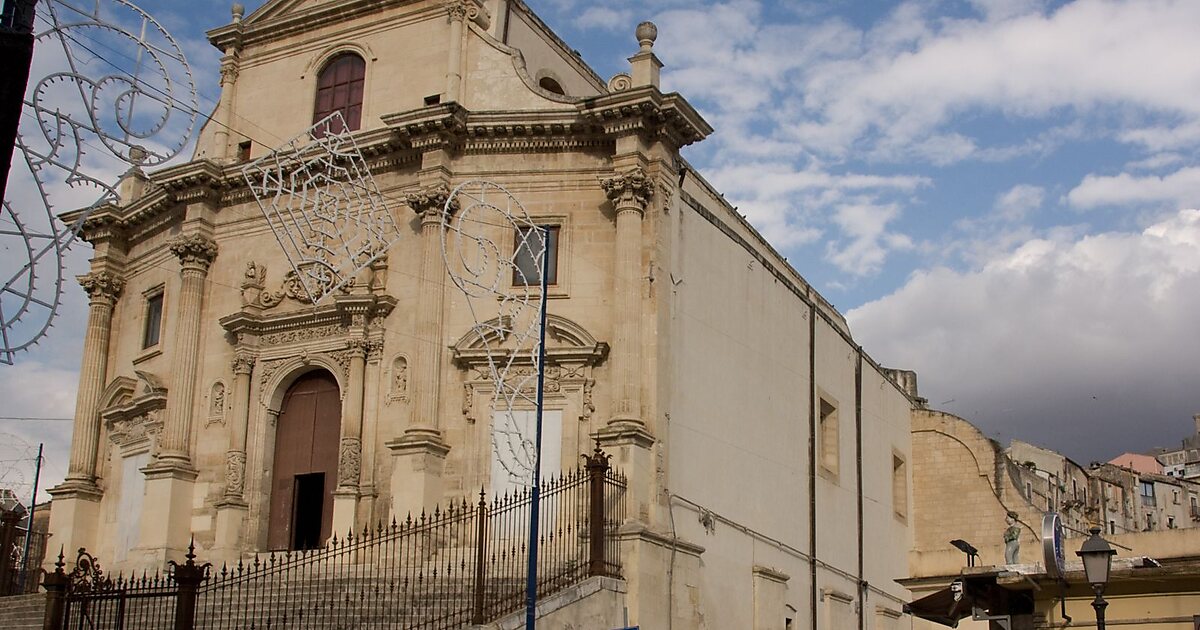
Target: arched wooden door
point(306, 459)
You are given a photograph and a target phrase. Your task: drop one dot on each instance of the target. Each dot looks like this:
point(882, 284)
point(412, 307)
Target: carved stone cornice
point(311, 324)
point(430, 203)
point(102, 287)
point(440, 126)
point(630, 190)
point(647, 111)
point(194, 251)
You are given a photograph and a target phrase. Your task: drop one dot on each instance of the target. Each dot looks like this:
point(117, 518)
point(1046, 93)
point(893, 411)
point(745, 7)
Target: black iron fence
point(20, 559)
point(460, 565)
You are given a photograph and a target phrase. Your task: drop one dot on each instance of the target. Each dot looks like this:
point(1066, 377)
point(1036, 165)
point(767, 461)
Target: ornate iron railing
point(460, 565)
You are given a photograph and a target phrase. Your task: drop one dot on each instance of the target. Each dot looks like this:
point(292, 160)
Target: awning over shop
point(977, 595)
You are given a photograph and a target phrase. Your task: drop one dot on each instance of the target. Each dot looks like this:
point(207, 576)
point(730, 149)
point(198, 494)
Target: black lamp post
point(1097, 561)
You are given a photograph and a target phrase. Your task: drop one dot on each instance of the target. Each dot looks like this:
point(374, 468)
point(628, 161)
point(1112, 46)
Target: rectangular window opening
point(899, 486)
point(828, 432)
point(244, 151)
point(433, 99)
point(527, 248)
point(154, 309)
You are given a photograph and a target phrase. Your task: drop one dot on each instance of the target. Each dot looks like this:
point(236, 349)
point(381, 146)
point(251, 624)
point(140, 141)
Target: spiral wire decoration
point(317, 194)
point(503, 295)
point(87, 120)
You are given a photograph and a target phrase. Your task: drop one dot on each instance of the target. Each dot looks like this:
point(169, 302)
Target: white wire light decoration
point(503, 293)
point(109, 89)
point(317, 194)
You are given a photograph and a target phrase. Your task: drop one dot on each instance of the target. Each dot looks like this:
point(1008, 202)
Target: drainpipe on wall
point(812, 459)
point(858, 462)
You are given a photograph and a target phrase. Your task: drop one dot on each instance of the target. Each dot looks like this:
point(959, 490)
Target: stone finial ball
point(238, 10)
point(647, 32)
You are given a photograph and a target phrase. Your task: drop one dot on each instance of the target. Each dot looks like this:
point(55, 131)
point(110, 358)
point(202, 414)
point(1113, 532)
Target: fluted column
point(629, 193)
point(427, 364)
point(103, 289)
point(235, 456)
point(196, 253)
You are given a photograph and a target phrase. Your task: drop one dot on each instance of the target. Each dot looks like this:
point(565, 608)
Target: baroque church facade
point(767, 454)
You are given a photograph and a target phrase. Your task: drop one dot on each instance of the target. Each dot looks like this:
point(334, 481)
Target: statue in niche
point(216, 403)
point(399, 389)
point(1012, 539)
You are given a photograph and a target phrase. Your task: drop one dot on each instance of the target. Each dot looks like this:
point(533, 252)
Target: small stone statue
point(1012, 539)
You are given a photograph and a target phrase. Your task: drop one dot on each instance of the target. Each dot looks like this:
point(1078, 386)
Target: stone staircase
point(22, 612)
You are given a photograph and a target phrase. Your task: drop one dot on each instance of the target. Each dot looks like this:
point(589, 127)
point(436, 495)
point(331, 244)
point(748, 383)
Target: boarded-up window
point(340, 89)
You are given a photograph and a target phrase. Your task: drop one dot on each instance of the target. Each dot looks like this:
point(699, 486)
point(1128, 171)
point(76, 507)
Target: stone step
point(22, 612)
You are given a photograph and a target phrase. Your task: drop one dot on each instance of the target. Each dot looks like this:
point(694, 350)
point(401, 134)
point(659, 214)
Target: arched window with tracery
point(340, 89)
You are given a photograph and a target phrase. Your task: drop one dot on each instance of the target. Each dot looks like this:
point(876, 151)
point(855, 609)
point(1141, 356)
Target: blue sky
point(1000, 194)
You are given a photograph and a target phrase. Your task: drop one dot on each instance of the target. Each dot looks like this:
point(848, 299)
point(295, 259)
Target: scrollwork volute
point(629, 191)
point(102, 287)
point(462, 9)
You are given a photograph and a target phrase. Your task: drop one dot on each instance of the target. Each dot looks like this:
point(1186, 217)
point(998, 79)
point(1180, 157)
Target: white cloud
point(604, 18)
point(1028, 339)
point(1019, 201)
point(869, 240)
point(1180, 188)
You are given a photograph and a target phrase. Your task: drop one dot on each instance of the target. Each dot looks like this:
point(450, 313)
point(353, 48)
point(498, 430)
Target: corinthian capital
point(630, 190)
point(429, 204)
point(102, 286)
point(243, 363)
point(194, 250)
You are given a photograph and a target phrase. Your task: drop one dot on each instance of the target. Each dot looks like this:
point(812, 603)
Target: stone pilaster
point(235, 456)
point(345, 498)
point(232, 509)
point(459, 11)
point(225, 107)
point(630, 192)
point(418, 455)
point(370, 433)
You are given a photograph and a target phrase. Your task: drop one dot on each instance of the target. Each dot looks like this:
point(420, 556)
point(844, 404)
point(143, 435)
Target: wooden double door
point(307, 436)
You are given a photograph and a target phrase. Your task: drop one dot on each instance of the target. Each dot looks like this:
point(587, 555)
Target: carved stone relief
point(235, 473)
point(349, 462)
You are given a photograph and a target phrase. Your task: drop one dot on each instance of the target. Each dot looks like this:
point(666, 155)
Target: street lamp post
point(1097, 557)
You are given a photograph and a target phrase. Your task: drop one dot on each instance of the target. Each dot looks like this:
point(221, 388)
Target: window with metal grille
point(340, 89)
point(527, 246)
